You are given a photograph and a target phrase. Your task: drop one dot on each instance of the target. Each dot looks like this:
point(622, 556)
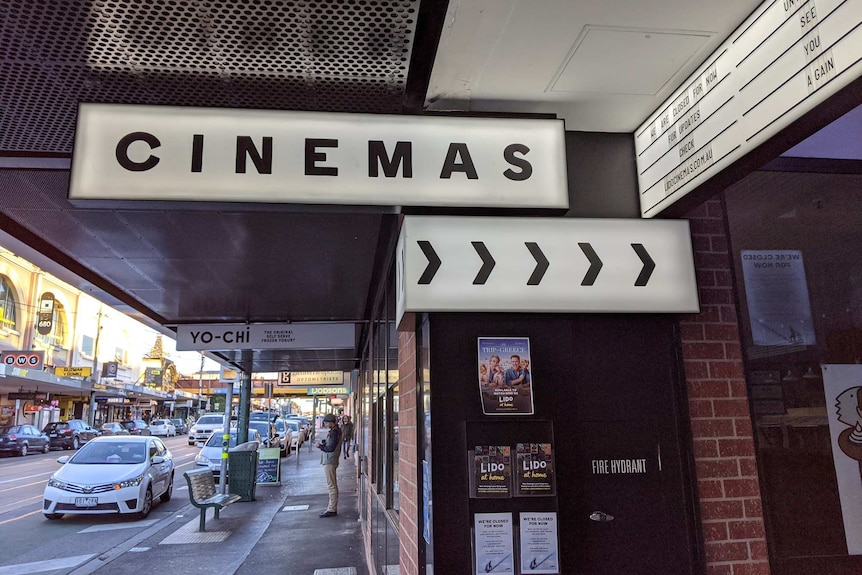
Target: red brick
point(753, 508)
point(715, 295)
point(701, 244)
point(697, 213)
point(691, 332)
point(751, 569)
point(738, 389)
point(758, 550)
point(715, 531)
point(746, 529)
point(743, 427)
point(733, 447)
point(708, 389)
point(708, 313)
point(714, 209)
point(722, 332)
point(732, 350)
point(709, 489)
point(747, 467)
point(718, 570)
point(716, 468)
point(703, 350)
point(705, 278)
point(719, 244)
point(706, 447)
point(727, 509)
point(727, 313)
point(723, 278)
point(741, 488)
point(726, 369)
point(700, 408)
point(726, 551)
point(712, 226)
point(731, 408)
point(695, 370)
point(712, 428)
point(711, 261)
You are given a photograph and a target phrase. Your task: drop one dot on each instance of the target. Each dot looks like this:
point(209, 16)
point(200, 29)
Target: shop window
point(8, 306)
point(795, 238)
point(88, 346)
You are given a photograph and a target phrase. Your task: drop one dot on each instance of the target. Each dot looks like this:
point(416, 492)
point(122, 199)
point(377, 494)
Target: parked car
point(268, 433)
point(114, 428)
point(70, 434)
point(210, 454)
point(163, 427)
point(261, 416)
point(181, 426)
point(285, 436)
point(115, 474)
point(23, 439)
point(136, 427)
point(203, 427)
point(298, 434)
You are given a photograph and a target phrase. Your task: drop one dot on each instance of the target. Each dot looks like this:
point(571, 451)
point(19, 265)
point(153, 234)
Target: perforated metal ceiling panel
point(327, 55)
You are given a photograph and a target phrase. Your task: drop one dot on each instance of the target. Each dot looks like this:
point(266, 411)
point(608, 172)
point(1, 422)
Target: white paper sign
point(539, 546)
point(494, 544)
point(842, 385)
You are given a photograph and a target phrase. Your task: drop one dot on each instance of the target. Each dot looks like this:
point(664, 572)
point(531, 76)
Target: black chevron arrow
point(433, 262)
point(488, 263)
point(595, 264)
point(649, 265)
point(541, 263)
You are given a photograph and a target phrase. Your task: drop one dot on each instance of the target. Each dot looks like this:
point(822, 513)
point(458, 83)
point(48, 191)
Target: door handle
point(601, 516)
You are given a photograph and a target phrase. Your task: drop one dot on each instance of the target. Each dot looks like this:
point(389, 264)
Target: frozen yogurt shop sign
point(126, 152)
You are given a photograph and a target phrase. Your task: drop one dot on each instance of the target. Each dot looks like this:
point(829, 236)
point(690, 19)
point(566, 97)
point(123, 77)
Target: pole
point(225, 443)
point(201, 385)
point(91, 417)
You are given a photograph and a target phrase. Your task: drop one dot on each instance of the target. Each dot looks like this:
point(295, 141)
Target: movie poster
point(534, 470)
point(505, 376)
point(493, 543)
point(491, 471)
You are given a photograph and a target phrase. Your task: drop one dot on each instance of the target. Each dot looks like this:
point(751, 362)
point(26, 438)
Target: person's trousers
point(345, 447)
point(332, 485)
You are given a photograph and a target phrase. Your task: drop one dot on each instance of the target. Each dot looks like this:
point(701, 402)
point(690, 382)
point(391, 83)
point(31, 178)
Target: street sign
point(557, 265)
point(26, 395)
point(73, 371)
point(305, 378)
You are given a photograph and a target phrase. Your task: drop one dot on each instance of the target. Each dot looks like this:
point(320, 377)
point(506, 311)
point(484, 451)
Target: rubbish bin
point(242, 472)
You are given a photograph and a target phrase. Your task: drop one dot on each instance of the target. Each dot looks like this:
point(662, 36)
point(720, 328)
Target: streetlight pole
point(91, 417)
point(201, 384)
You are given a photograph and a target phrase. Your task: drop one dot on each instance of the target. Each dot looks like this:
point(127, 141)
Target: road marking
point(20, 500)
point(20, 486)
point(138, 549)
point(112, 526)
point(295, 508)
point(27, 477)
point(47, 565)
point(20, 517)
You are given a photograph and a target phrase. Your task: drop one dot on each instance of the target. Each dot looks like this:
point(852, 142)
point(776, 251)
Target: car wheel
point(76, 443)
point(53, 516)
point(166, 496)
point(47, 448)
point(23, 450)
point(148, 504)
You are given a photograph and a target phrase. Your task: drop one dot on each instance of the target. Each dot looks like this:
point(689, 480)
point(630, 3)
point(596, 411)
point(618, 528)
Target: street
point(27, 537)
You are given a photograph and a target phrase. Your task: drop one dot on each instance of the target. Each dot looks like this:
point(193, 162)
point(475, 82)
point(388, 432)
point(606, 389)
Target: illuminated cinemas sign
point(125, 152)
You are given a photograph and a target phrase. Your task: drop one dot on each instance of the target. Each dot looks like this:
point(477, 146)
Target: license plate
point(86, 501)
point(52, 435)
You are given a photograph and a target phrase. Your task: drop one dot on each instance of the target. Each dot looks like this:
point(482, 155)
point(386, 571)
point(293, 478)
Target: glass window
point(59, 329)
point(8, 305)
point(88, 345)
point(795, 239)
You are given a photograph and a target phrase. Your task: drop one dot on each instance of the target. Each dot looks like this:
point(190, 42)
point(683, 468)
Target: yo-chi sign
point(200, 154)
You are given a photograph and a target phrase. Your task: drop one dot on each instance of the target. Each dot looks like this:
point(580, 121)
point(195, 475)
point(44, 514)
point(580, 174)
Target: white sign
point(304, 378)
point(494, 543)
point(126, 152)
point(202, 337)
point(787, 58)
point(842, 389)
point(545, 265)
point(776, 292)
point(539, 547)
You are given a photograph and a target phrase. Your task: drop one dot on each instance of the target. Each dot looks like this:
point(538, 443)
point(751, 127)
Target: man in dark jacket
point(330, 458)
point(346, 434)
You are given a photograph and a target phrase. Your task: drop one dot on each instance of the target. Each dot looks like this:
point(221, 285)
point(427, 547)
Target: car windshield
point(159, 422)
point(111, 452)
point(262, 427)
point(293, 426)
point(57, 425)
point(6, 429)
point(279, 425)
point(211, 420)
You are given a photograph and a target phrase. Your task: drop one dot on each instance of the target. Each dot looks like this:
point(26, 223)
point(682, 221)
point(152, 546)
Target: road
point(27, 537)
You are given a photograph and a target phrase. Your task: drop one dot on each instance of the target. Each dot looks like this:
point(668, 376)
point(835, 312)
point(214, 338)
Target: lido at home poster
point(505, 375)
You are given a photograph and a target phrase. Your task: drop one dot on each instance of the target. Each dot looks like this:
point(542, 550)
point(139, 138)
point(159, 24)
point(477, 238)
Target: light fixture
point(789, 376)
point(811, 374)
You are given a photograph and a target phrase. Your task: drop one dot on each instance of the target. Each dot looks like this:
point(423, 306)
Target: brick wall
point(731, 514)
point(409, 499)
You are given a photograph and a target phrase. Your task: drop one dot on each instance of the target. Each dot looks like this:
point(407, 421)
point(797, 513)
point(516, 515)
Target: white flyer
point(493, 543)
point(539, 548)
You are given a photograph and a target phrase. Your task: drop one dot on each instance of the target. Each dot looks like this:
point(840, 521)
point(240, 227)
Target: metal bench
point(202, 493)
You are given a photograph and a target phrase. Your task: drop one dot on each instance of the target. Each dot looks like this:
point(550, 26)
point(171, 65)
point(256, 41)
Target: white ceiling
point(601, 65)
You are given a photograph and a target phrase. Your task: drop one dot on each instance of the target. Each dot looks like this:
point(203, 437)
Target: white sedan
point(111, 474)
point(163, 427)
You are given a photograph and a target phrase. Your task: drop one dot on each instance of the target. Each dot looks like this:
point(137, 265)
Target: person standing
point(329, 458)
point(346, 434)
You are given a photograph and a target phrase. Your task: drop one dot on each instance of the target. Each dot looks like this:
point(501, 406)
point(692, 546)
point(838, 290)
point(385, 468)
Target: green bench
point(202, 493)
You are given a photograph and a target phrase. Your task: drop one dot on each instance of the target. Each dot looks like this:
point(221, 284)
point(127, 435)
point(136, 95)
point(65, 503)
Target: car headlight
point(201, 459)
point(129, 482)
point(193, 429)
point(56, 483)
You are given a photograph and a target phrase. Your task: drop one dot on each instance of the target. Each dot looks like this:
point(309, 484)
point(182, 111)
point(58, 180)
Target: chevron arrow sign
point(560, 265)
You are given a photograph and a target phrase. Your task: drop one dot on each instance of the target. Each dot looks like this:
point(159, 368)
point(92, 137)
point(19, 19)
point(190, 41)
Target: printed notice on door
point(491, 471)
point(493, 543)
point(539, 549)
point(505, 376)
